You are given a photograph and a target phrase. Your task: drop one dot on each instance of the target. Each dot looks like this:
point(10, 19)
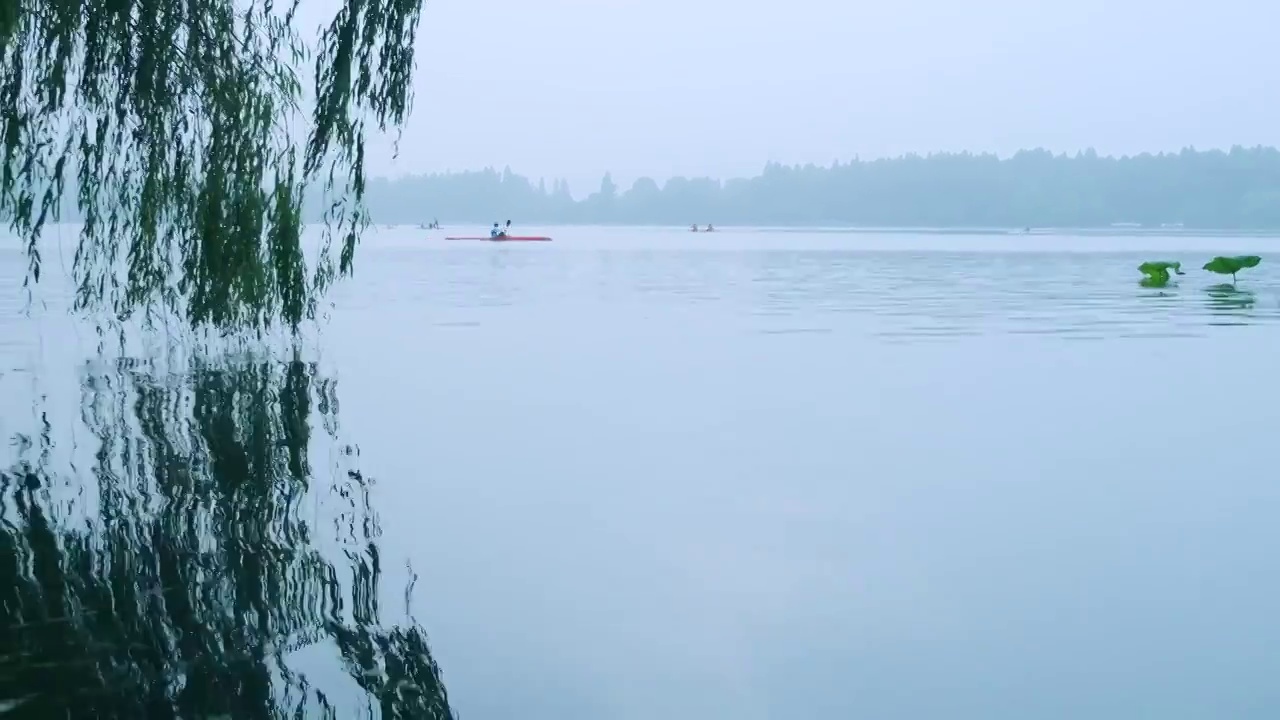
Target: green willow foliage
point(175, 123)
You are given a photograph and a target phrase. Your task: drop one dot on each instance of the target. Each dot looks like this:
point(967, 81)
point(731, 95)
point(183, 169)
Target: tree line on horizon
point(1211, 189)
point(1234, 189)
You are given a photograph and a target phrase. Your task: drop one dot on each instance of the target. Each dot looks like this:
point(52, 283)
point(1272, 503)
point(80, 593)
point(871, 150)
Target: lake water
point(641, 473)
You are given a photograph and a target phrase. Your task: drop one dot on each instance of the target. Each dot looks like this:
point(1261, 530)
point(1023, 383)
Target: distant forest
point(1237, 189)
point(1220, 190)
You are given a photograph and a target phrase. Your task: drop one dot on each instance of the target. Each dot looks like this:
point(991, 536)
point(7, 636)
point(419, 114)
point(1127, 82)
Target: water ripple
point(882, 294)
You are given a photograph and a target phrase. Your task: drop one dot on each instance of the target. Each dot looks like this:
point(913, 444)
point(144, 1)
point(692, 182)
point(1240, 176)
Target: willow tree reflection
point(188, 589)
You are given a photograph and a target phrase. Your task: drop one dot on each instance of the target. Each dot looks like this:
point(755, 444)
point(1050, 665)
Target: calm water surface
point(644, 473)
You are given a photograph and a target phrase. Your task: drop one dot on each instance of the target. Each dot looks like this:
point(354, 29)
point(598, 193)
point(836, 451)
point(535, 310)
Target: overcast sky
point(572, 88)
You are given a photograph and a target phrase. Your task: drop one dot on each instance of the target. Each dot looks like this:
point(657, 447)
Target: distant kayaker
point(495, 232)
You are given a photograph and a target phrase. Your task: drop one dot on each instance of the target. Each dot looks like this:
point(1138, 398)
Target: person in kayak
point(495, 232)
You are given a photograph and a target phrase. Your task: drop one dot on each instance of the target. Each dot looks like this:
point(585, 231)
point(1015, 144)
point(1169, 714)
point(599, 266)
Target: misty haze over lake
point(924, 429)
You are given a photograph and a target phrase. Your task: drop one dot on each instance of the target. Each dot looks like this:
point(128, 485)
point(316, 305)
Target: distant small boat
point(506, 238)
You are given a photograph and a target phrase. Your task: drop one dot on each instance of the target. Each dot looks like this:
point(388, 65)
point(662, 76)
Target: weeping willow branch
point(176, 121)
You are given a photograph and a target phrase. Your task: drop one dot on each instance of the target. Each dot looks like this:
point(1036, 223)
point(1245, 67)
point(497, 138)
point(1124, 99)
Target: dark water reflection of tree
point(197, 575)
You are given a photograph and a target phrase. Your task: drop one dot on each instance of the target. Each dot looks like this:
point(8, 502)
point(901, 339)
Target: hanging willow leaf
point(177, 123)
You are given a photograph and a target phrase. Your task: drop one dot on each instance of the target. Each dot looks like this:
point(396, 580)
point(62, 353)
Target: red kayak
point(506, 238)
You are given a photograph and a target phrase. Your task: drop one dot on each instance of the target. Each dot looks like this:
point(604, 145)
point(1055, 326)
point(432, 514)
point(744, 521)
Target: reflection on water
point(1229, 305)
point(183, 577)
point(1230, 297)
point(899, 296)
point(798, 480)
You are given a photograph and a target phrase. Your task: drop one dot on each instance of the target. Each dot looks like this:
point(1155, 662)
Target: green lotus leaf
point(1156, 272)
point(1155, 268)
point(1230, 265)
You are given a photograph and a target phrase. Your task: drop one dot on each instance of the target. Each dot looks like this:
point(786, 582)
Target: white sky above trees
point(572, 88)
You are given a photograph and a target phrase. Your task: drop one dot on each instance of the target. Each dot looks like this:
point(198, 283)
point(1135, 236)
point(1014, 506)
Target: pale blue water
point(645, 473)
